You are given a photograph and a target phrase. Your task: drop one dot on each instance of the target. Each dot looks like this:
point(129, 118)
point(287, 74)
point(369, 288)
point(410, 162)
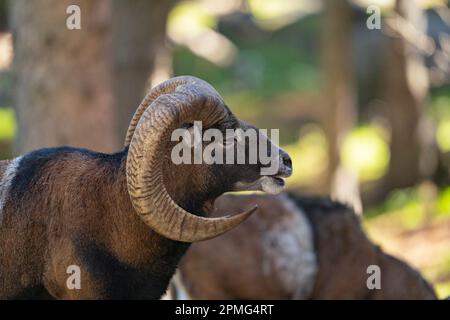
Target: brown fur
point(344, 254)
point(400, 281)
point(232, 270)
point(342, 249)
point(100, 229)
point(3, 165)
point(69, 206)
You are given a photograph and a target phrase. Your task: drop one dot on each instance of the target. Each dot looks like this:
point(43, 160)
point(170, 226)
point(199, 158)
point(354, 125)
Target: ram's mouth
point(278, 180)
point(270, 184)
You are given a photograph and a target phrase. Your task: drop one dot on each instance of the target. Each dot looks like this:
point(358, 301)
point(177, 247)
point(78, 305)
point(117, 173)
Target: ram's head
point(184, 143)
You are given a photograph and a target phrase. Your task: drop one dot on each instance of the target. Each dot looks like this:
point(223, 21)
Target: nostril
point(287, 161)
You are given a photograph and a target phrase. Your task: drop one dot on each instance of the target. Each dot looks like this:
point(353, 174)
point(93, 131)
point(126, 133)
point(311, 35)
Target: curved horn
point(165, 87)
point(177, 101)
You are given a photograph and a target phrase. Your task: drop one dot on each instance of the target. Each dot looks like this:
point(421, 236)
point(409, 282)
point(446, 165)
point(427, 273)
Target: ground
point(425, 247)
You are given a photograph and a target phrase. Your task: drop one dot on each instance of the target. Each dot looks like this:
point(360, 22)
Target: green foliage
point(7, 124)
point(366, 151)
point(440, 111)
point(188, 17)
point(440, 105)
point(442, 289)
point(406, 207)
point(443, 204)
point(263, 68)
point(443, 134)
point(309, 156)
point(404, 211)
point(439, 273)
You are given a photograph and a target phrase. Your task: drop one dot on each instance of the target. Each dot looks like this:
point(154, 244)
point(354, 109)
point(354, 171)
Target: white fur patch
point(265, 183)
point(182, 293)
point(289, 252)
point(178, 291)
point(5, 182)
point(269, 185)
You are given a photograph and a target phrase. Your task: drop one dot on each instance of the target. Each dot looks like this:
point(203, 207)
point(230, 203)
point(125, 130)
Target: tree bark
point(3, 16)
point(81, 87)
point(340, 96)
point(63, 93)
point(138, 31)
point(405, 82)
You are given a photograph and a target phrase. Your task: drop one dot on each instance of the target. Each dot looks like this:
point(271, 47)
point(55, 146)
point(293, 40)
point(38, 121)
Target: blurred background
point(362, 107)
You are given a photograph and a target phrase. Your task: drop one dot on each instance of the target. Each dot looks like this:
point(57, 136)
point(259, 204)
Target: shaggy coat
point(295, 248)
point(118, 254)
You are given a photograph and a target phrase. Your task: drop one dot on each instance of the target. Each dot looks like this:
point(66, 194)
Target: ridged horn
point(164, 109)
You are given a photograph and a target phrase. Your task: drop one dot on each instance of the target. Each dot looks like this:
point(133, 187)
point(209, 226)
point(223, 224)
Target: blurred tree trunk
point(81, 87)
point(138, 32)
point(405, 83)
point(3, 16)
point(340, 96)
point(63, 94)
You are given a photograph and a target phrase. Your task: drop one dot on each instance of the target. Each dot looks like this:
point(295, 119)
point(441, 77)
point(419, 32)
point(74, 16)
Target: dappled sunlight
point(309, 156)
point(366, 152)
point(405, 202)
point(221, 7)
point(363, 136)
point(443, 135)
point(440, 111)
point(189, 17)
point(403, 227)
point(189, 24)
point(425, 248)
point(383, 4)
point(389, 4)
point(7, 124)
point(6, 51)
point(443, 203)
point(275, 14)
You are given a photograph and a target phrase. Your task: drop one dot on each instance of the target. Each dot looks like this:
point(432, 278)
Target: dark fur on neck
point(71, 206)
